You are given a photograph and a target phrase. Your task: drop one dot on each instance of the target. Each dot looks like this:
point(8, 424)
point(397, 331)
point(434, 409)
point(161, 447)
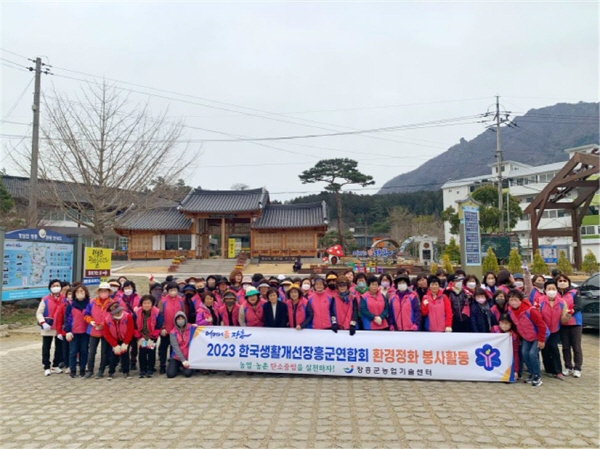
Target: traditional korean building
point(240, 220)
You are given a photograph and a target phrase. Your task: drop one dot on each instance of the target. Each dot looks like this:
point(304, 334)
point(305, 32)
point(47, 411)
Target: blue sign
point(33, 257)
point(91, 281)
point(472, 238)
point(549, 253)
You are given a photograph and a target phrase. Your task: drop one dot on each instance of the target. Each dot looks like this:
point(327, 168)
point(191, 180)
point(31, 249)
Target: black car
point(590, 301)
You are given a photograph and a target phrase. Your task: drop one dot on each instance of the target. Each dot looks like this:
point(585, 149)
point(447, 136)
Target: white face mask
point(518, 284)
point(471, 285)
point(80, 295)
point(172, 293)
point(402, 287)
point(458, 284)
point(193, 284)
point(551, 294)
point(563, 284)
point(180, 323)
point(128, 291)
point(114, 289)
point(56, 290)
point(481, 299)
point(385, 284)
point(305, 287)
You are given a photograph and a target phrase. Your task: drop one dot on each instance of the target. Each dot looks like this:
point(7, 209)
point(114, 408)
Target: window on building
point(529, 199)
point(123, 243)
point(561, 213)
point(177, 241)
point(588, 230)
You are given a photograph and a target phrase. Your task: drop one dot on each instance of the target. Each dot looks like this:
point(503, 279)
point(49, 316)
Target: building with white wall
point(525, 182)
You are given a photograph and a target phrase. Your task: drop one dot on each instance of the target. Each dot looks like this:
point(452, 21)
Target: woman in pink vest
point(296, 304)
point(95, 315)
point(181, 336)
point(374, 307)
point(436, 308)
point(76, 329)
point(149, 322)
point(346, 305)
point(47, 315)
point(571, 328)
point(169, 305)
point(321, 308)
point(553, 310)
point(206, 313)
point(537, 292)
point(532, 329)
point(229, 312)
point(118, 332)
point(251, 312)
point(405, 308)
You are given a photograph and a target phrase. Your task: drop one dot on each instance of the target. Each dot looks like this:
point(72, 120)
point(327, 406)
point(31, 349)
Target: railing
point(285, 252)
point(160, 254)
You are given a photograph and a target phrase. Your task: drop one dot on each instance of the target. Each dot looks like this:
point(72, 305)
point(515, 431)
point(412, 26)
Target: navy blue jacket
point(281, 319)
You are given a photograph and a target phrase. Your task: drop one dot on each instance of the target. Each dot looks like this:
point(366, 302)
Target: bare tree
point(100, 155)
point(240, 186)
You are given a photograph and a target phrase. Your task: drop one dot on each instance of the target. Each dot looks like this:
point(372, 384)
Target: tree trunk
point(338, 198)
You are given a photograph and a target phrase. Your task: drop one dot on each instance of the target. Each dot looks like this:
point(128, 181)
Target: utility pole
point(499, 162)
point(33, 184)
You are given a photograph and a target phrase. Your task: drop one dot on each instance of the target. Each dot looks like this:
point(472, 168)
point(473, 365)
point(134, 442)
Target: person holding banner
point(436, 308)
point(296, 304)
point(374, 307)
point(532, 329)
point(321, 308)
point(181, 336)
point(405, 308)
point(507, 326)
point(251, 311)
point(346, 305)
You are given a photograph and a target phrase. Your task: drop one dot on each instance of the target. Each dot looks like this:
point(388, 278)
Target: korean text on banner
point(97, 262)
point(400, 355)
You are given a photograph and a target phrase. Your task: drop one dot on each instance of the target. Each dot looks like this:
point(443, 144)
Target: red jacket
point(116, 331)
point(529, 322)
point(154, 322)
point(438, 311)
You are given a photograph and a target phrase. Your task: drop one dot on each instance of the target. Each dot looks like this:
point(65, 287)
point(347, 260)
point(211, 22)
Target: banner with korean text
point(391, 355)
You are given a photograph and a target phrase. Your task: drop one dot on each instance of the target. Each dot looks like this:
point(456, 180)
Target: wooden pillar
point(534, 232)
point(223, 243)
point(576, 235)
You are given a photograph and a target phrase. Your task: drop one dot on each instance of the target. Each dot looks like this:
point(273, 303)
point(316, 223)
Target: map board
point(472, 239)
point(32, 257)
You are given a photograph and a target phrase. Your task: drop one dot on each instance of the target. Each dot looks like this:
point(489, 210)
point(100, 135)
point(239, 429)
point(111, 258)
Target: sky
point(276, 69)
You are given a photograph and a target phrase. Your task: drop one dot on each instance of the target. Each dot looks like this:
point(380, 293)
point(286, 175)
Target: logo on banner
point(488, 357)
point(349, 370)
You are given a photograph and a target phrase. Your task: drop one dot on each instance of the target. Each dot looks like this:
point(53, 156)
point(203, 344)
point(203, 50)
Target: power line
point(15, 54)
point(20, 97)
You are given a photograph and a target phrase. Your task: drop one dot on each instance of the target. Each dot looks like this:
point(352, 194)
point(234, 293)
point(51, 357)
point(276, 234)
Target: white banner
point(397, 355)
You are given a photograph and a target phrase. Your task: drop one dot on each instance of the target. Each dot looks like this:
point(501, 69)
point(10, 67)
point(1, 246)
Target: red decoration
point(335, 250)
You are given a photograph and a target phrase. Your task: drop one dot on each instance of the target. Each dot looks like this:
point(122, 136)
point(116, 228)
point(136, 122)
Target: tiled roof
point(160, 219)
point(225, 201)
point(278, 216)
point(18, 188)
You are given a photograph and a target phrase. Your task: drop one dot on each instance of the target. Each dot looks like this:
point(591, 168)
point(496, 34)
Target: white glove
point(377, 320)
point(46, 326)
point(448, 329)
point(163, 333)
point(60, 337)
point(124, 347)
point(151, 344)
point(425, 302)
point(186, 364)
point(209, 319)
point(117, 350)
point(69, 336)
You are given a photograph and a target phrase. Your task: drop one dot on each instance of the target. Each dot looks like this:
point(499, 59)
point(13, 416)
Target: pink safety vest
point(525, 326)
point(401, 305)
point(98, 313)
point(551, 313)
point(375, 305)
point(437, 312)
point(299, 315)
point(170, 307)
point(51, 307)
point(118, 330)
point(320, 303)
point(151, 323)
point(183, 340)
point(569, 299)
point(235, 315)
point(202, 313)
point(343, 310)
point(79, 325)
point(254, 315)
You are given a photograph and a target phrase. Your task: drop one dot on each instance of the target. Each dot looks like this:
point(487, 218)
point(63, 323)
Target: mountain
point(539, 137)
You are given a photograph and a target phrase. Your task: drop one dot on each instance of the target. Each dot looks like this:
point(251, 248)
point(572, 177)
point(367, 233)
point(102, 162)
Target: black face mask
point(331, 286)
point(189, 294)
point(200, 290)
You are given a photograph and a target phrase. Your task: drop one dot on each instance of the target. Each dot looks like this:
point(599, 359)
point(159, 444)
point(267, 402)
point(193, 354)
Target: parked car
point(590, 301)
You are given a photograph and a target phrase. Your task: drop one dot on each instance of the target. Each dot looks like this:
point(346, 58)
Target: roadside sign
point(97, 262)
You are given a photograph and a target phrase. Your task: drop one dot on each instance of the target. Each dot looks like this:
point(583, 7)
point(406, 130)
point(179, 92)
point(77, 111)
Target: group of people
point(130, 328)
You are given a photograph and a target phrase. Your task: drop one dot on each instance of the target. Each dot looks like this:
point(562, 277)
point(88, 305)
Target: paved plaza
point(263, 411)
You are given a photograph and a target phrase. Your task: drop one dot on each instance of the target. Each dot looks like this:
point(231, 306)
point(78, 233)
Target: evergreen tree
point(563, 264)
point(453, 251)
point(590, 263)
point(514, 261)
point(539, 266)
point(433, 269)
point(490, 261)
point(447, 264)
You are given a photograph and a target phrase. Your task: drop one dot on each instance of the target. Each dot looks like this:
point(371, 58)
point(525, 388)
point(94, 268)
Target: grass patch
point(13, 313)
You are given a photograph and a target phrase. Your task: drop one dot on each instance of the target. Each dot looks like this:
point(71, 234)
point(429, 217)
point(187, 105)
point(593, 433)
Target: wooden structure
point(579, 175)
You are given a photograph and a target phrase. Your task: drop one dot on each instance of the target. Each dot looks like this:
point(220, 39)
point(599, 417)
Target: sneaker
point(133, 367)
point(99, 375)
point(567, 372)
point(47, 372)
point(56, 370)
point(150, 374)
point(110, 377)
point(537, 381)
point(142, 375)
point(88, 374)
point(61, 365)
point(560, 376)
point(72, 375)
point(529, 379)
point(163, 370)
point(68, 370)
point(577, 373)
point(82, 375)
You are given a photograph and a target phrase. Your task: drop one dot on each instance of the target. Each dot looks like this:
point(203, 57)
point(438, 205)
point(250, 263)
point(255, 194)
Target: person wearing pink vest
point(436, 308)
point(532, 329)
point(537, 291)
point(553, 310)
point(77, 330)
point(48, 319)
point(571, 329)
point(148, 324)
point(500, 304)
point(374, 307)
point(169, 305)
point(118, 333)
point(251, 312)
point(296, 304)
point(95, 315)
point(346, 305)
point(405, 308)
point(181, 336)
point(321, 308)
point(206, 313)
point(229, 312)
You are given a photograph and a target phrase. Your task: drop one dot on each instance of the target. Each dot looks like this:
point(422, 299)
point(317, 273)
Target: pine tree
point(452, 251)
point(539, 266)
point(490, 261)
point(563, 264)
point(590, 263)
point(433, 269)
point(514, 261)
point(447, 264)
